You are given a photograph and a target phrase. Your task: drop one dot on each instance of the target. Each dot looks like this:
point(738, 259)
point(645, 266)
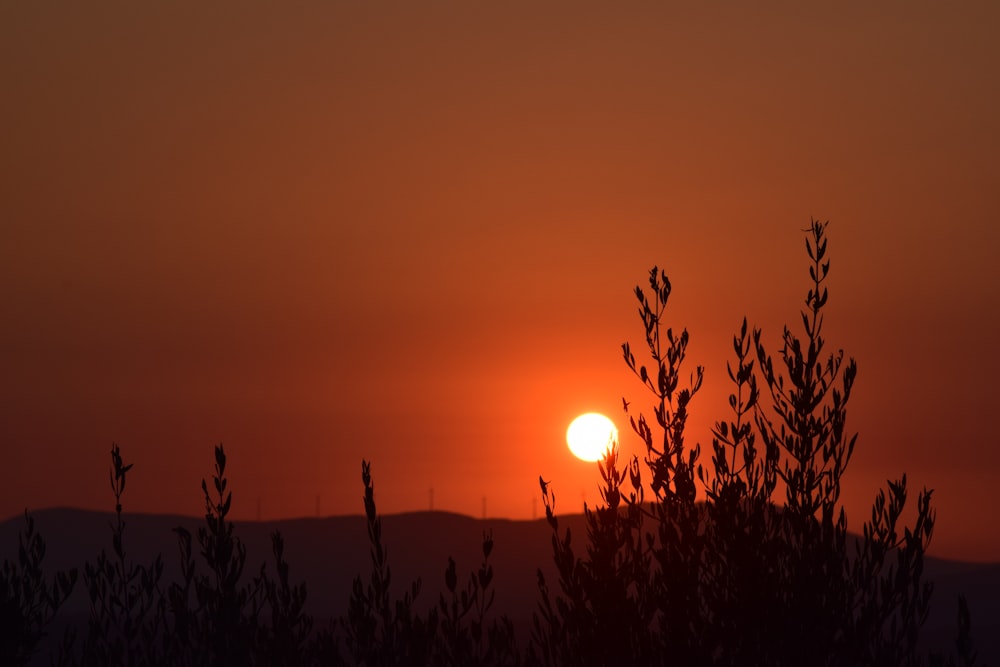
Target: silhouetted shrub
point(126, 607)
point(467, 637)
point(739, 578)
point(215, 614)
point(284, 638)
point(381, 632)
point(28, 603)
point(761, 572)
point(456, 632)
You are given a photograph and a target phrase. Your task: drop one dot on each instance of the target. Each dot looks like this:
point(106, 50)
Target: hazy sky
point(409, 232)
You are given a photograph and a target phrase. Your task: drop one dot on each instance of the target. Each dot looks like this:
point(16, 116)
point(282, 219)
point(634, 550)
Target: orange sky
point(409, 232)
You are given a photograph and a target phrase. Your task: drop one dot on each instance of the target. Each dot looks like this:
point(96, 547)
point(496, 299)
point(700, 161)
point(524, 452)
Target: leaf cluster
point(761, 571)
point(217, 613)
point(745, 559)
point(28, 601)
point(458, 631)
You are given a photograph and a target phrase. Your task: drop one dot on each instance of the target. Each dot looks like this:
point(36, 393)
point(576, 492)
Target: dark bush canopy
point(740, 559)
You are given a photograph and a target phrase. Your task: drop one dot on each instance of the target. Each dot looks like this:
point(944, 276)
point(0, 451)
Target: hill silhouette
point(328, 553)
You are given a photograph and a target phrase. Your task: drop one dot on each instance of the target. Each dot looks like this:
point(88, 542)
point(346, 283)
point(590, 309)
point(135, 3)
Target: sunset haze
point(322, 232)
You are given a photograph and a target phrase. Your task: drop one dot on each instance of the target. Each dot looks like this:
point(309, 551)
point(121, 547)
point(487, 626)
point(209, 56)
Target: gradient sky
point(409, 232)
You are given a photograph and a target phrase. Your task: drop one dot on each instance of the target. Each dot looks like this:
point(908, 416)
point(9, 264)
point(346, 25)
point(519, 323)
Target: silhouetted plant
point(284, 639)
point(213, 615)
point(808, 450)
point(126, 606)
point(28, 602)
point(218, 618)
point(677, 547)
point(227, 609)
point(606, 612)
point(466, 635)
point(455, 632)
point(180, 642)
point(378, 631)
point(635, 591)
point(838, 608)
point(738, 580)
point(209, 616)
point(964, 646)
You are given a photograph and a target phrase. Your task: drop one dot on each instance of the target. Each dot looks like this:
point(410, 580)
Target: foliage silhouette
point(28, 603)
point(739, 579)
point(761, 571)
point(127, 611)
point(216, 615)
point(456, 632)
point(378, 631)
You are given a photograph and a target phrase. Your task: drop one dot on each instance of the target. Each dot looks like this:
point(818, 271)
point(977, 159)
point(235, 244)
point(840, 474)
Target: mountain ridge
point(327, 553)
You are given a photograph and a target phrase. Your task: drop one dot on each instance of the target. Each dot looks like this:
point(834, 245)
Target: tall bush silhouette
point(28, 602)
point(739, 578)
point(220, 616)
point(458, 631)
point(469, 636)
point(759, 570)
point(231, 607)
point(378, 631)
point(214, 614)
point(127, 611)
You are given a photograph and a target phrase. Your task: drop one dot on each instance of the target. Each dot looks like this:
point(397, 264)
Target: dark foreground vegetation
point(762, 572)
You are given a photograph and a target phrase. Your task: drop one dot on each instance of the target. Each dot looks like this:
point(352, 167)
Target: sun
point(590, 436)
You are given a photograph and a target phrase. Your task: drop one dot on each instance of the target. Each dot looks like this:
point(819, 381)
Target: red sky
point(409, 232)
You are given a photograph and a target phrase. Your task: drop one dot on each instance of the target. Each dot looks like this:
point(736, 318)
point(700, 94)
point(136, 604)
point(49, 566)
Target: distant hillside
point(328, 553)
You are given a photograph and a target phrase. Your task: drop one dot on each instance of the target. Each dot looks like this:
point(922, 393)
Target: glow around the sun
point(590, 435)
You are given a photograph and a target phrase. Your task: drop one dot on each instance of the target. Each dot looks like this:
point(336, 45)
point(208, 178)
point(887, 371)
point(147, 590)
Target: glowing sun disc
point(590, 435)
